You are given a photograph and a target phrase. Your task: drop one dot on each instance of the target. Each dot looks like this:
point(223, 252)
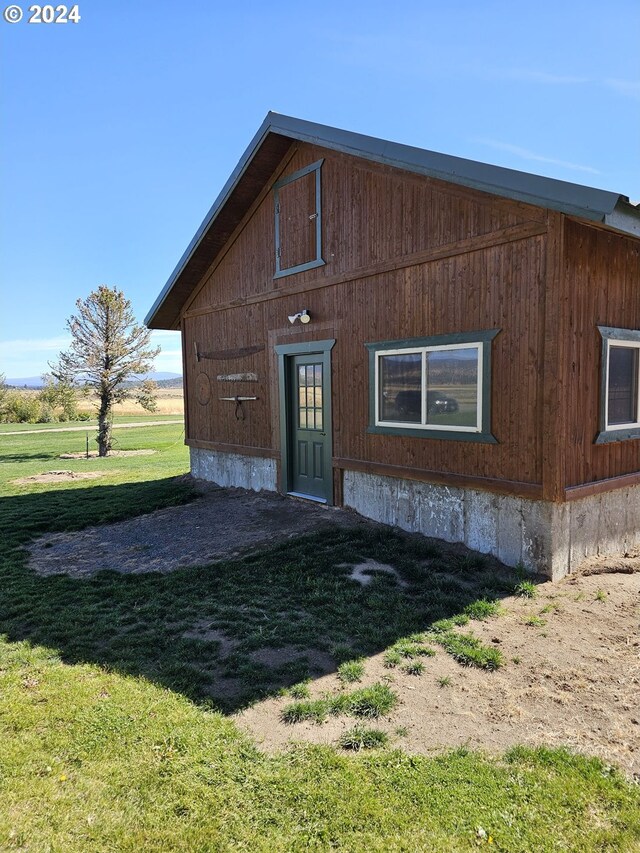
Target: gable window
point(436, 387)
point(298, 223)
point(619, 385)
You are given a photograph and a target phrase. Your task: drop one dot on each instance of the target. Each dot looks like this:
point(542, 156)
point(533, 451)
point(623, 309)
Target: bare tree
point(107, 349)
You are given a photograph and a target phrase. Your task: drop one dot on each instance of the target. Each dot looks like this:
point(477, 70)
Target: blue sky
point(119, 131)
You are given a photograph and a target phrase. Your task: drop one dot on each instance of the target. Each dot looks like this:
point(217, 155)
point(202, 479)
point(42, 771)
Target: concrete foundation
point(232, 469)
point(544, 537)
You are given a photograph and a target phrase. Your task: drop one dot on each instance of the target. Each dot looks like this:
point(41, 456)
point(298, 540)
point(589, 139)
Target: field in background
point(170, 401)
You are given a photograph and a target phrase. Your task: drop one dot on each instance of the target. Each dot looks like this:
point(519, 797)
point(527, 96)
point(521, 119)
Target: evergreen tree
point(107, 349)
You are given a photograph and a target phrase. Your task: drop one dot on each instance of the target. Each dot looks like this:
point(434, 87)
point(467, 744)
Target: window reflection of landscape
point(401, 379)
point(310, 397)
point(436, 387)
point(623, 385)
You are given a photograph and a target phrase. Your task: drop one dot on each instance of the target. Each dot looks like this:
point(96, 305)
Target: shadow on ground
point(26, 457)
point(231, 632)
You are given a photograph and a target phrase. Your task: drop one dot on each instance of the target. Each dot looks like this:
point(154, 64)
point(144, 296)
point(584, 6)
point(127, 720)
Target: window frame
point(435, 343)
point(614, 337)
point(283, 182)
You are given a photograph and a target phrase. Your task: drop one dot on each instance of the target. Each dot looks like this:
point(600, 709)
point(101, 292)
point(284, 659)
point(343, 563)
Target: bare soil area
point(58, 477)
point(93, 454)
point(221, 523)
point(571, 677)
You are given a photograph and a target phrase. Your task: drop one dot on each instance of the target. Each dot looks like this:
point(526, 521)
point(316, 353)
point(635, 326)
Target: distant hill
point(170, 383)
point(25, 382)
point(172, 380)
point(161, 377)
point(164, 379)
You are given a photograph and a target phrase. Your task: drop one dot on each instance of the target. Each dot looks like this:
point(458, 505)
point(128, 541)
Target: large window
point(298, 221)
point(438, 387)
point(620, 385)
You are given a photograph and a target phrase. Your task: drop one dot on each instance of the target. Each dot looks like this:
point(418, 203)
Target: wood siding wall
point(370, 215)
point(602, 277)
point(405, 257)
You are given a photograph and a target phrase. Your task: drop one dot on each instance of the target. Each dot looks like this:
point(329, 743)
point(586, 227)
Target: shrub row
point(20, 407)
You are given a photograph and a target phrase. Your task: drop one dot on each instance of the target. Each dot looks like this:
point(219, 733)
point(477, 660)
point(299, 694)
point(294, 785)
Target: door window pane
point(310, 397)
point(452, 387)
point(400, 387)
point(622, 392)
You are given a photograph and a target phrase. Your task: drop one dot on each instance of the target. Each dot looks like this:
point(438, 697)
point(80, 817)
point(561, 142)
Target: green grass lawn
point(90, 426)
point(23, 456)
point(110, 737)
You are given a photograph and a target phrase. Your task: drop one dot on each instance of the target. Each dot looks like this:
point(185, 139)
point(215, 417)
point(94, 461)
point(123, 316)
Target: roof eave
point(625, 217)
point(573, 199)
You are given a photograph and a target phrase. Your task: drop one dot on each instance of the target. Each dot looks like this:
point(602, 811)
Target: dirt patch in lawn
point(59, 477)
point(93, 454)
point(571, 677)
point(220, 524)
point(319, 662)
point(203, 630)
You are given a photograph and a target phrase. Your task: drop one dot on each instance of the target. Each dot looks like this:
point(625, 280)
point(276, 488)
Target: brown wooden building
point(440, 344)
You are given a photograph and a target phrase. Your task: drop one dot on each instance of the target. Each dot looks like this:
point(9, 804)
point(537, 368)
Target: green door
point(309, 426)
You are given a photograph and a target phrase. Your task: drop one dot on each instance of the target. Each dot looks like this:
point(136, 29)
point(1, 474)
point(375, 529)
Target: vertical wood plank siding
point(370, 214)
point(552, 424)
point(297, 228)
point(216, 420)
point(530, 288)
point(602, 272)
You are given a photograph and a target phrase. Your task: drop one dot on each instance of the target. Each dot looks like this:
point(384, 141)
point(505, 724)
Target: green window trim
point(480, 339)
point(612, 337)
point(314, 262)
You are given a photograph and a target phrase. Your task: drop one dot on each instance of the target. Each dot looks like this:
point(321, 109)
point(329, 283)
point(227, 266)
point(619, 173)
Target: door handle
point(323, 433)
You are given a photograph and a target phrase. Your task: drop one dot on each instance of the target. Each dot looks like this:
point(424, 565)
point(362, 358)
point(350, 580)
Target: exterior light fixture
point(303, 316)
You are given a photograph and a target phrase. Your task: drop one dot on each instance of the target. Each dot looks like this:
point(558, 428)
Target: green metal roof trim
point(608, 208)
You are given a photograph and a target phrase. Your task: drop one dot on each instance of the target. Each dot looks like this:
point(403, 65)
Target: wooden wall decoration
point(237, 377)
point(203, 389)
point(225, 354)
